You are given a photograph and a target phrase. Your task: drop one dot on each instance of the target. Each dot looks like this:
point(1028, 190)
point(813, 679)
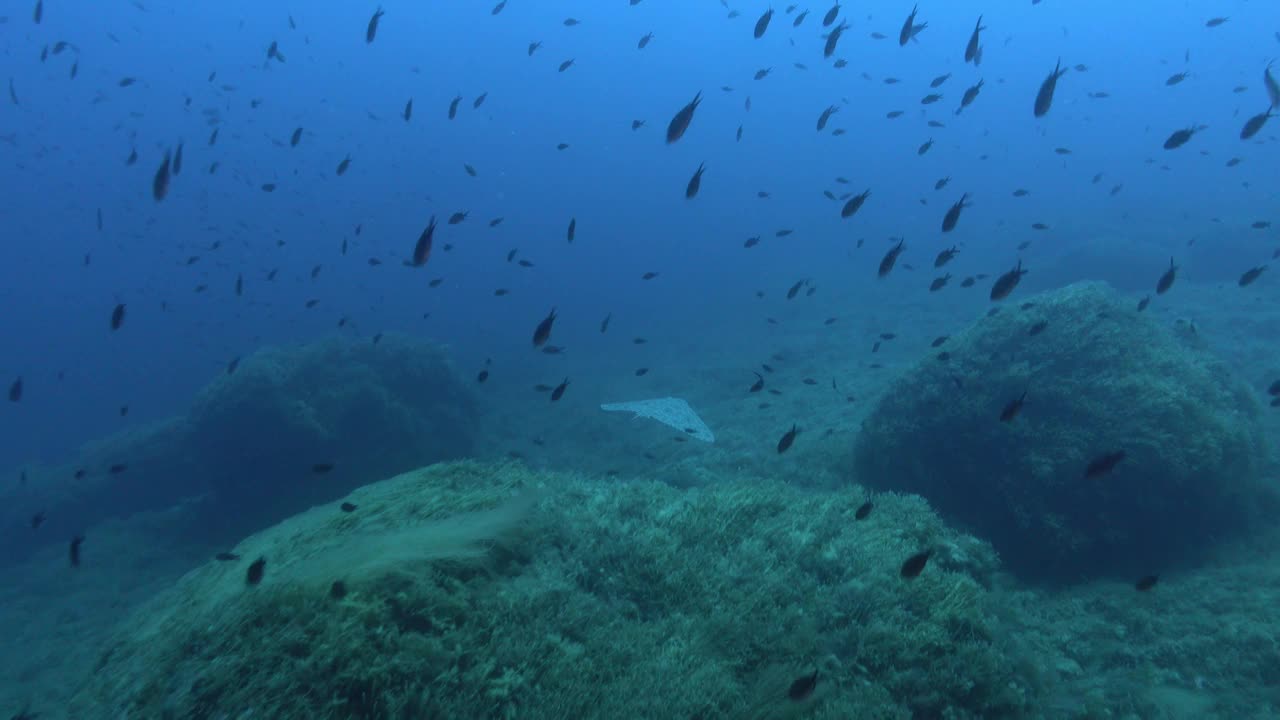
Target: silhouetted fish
point(914, 565)
point(788, 438)
point(680, 122)
point(1044, 98)
point(371, 31)
point(1103, 464)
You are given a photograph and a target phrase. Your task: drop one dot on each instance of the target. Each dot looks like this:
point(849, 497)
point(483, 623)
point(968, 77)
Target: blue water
point(70, 138)
point(151, 75)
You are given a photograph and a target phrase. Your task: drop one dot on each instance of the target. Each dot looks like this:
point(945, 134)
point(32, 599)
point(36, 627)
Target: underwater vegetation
point(1080, 437)
point(633, 600)
point(285, 428)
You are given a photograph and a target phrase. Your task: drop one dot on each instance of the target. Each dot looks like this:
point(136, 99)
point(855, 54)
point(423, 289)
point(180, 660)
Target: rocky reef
point(290, 427)
point(1100, 379)
point(486, 590)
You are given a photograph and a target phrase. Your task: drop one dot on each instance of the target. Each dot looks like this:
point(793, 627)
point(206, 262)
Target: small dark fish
point(1254, 124)
point(695, 182)
point(763, 23)
point(475, 104)
point(826, 116)
point(342, 166)
point(953, 215)
point(942, 183)
point(830, 17)
point(604, 324)
point(1038, 328)
point(889, 259)
point(231, 366)
point(863, 511)
point(680, 122)
point(1014, 407)
point(910, 29)
point(133, 157)
point(37, 519)
point(558, 392)
point(1166, 280)
point(226, 557)
point(322, 468)
point(853, 204)
point(458, 217)
point(295, 138)
point(1215, 22)
point(1250, 275)
point(566, 64)
point(453, 107)
point(789, 437)
point(644, 41)
point(1044, 98)
point(972, 49)
point(258, 567)
point(347, 507)
point(371, 31)
point(1007, 282)
point(833, 39)
point(758, 385)
point(1181, 137)
point(543, 332)
point(802, 687)
point(1176, 78)
point(1143, 303)
point(970, 94)
point(482, 376)
point(944, 257)
point(408, 110)
point(1146, 582)
point(572, 230)
point(177, 159)
point(422, 250)
point(533, 46)
point(15, 391)
point(1103, 464)
point(117, 317)
point(914, 565)
point(160, 183)
point(76, 542)
point(939, 283)
point(924, 147)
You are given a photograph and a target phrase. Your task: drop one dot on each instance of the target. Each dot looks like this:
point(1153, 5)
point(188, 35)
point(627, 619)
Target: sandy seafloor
point(55, 621)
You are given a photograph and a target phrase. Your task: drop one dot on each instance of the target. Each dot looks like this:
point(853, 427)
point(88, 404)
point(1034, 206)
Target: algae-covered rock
point(252, 440)
point(1099, 378)
point(595, 600)
point(368, 410)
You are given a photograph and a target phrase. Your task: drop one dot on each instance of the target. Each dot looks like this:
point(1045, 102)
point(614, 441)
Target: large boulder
point(252, 441)
point(471, 590)
point(1099, 378)
point(296, 426)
